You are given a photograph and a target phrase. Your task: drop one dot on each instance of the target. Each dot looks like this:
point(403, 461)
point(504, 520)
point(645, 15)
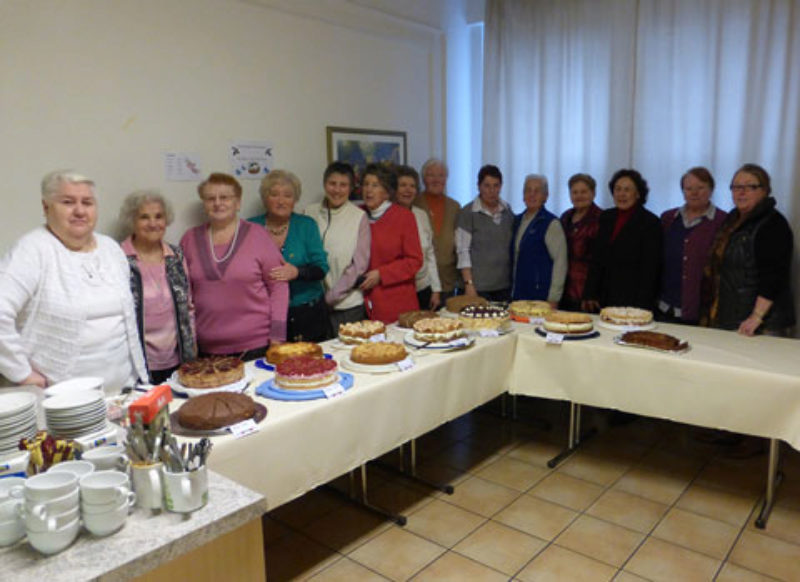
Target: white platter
point(349, 364)
point(75, 385)
point(14, 403)
point(456, 344)
point(71, 403)
point(173, 383)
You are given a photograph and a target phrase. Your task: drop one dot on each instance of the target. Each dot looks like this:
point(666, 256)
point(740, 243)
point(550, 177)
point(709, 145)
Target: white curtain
point(658, 85)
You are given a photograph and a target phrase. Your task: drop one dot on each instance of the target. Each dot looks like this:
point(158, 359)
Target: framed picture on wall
point(360, 147)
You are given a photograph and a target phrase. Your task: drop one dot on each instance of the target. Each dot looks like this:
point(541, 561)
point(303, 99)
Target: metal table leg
point(359, 497)
point(409, 468)
point(774, 478)
point(574, 437)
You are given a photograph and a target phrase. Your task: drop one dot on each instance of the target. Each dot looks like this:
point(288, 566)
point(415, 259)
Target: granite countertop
point(148, 540)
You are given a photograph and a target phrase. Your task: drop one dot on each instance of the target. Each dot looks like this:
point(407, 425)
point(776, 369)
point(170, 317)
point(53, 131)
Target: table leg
point(574, 437)
point(774, 478)
point(360, 498)
point(409, 468)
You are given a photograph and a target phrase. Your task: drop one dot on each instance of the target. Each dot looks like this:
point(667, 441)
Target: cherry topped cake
point(484, 317)
point(360, 331)
point(211, 372)
point(305, 373)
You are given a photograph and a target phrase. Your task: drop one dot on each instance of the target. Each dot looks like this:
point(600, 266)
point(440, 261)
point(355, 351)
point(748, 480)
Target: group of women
point(696, 265)
point(74, 302)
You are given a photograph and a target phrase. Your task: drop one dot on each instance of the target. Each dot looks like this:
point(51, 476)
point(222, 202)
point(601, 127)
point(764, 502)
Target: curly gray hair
point(52, 181)
point(133, 203)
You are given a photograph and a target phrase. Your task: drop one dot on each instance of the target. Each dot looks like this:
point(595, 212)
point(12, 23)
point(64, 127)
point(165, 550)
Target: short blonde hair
point(276, 177)
point(52, 181)
point(134, 201)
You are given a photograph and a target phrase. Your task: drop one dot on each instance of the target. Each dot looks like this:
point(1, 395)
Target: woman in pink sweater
point(239, 309)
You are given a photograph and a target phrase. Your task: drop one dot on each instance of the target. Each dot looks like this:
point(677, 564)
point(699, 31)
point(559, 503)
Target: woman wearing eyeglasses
point(239, 308)
point(689, 232)
point(749, 272)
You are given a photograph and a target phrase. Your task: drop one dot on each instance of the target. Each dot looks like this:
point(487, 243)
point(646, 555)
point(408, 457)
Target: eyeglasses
point(745, 187)
point(224, 198)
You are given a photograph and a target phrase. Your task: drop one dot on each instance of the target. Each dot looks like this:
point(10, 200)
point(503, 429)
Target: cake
point(567, 322)
point(376, 353)
point(216, 410)
point(438, 329)
point(484, 317)
point(458, 302)
point(360, 331)
point(279, 352)
point(652, 339)
point(529, 308)
point(211, 372)
point(305, 373)
point(409, 318)
point(626, 315)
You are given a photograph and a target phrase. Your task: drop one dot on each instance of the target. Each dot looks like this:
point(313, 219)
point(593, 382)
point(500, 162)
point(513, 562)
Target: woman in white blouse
point(429, 289)
point(65, 303)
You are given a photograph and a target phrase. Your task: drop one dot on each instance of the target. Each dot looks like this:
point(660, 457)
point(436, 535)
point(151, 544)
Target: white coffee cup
point(47, 486)
point(147, 485)
point(9, 508)
point(42, 509)
point(129, 497)
point(104, 486)
point(79, 468)
point(108, 457)
point(51, 542)
point(186, 491)
point(50, 521)
point(103, 524)
point(11, 530)
point(9, 483)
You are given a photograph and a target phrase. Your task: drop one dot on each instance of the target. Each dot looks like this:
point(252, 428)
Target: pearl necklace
point(230, 248)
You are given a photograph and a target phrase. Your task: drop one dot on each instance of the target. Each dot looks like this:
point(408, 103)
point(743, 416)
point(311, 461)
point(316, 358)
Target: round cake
point(216, 410)
point(438, 329)
point(279, 352)
point(458, 302)
point(409, 318)
point(376, 353)
point(652, 339)
point(360, 331)
point(306, 373)
point(567, 322)
point(211, 372)
point(484, 317)
point(626, 315)
point(529, 308)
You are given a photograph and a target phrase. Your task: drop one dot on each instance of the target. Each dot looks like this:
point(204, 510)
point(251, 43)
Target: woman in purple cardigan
point(689, 232)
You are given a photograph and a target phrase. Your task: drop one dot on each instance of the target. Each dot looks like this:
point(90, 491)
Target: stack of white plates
point(75, 385)
point(17, 420)
point(75, 414)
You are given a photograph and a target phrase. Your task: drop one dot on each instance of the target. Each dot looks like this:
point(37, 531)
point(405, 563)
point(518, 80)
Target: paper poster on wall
point(182, 167)
point(250, 159)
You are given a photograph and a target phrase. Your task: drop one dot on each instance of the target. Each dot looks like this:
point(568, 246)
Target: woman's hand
point(750, 325)
point(590, 305)
point(35, 379)
point(371, 279)
point(436, 300)
point(286, 272)
point(469, 289)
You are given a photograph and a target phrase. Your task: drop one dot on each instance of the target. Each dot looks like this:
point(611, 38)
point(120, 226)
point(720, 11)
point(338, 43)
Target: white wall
point(107, 86)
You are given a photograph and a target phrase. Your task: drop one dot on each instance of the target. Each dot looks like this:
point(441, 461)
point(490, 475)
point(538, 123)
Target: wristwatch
point(468, 283)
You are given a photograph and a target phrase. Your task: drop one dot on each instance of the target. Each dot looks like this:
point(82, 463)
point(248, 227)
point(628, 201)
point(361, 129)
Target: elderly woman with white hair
point(66, 308)
point(539, 247)
point(304, 262)
point(159, 283)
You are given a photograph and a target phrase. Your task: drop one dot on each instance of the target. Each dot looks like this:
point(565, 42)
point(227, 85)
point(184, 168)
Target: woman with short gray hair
point(65, 304)
point(159, 283)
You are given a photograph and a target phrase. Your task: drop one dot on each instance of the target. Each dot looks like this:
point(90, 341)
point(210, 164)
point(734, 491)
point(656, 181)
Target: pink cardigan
point(237, 306)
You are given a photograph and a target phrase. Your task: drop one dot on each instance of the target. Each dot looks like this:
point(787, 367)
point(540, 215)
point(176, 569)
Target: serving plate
point(619, 341)
point(180, 430)
point(182, 390)
point(456, 344)
point(569, 336)
point(372, 368)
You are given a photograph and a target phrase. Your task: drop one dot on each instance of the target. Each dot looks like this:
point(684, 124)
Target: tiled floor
point(641, 501)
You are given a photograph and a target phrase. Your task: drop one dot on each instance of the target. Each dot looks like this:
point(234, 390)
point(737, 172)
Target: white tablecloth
point(749, 385)
point(301, 445)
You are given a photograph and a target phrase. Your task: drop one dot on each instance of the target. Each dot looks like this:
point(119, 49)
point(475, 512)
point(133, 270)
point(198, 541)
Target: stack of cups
point(12, 527)
point(50, 510)
point(106, 500)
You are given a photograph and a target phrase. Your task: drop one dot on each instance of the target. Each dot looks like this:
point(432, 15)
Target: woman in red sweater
point(395, 252)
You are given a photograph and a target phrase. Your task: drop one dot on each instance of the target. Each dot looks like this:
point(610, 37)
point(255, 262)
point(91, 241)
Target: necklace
point(278, 231)
point(230, 248)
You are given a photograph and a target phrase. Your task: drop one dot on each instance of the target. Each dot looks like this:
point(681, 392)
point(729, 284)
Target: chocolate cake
point(216, 410)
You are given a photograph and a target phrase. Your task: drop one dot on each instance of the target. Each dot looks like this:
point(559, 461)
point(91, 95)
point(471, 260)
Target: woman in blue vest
point(538, 247)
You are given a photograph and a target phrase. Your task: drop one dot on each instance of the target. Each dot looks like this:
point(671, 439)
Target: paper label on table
point(244, 428)
point(378, 337)
point(489, 333)
point(554, 338)
point(459, 342)
point(537, 320)
point(333, 391)
point(405, 365)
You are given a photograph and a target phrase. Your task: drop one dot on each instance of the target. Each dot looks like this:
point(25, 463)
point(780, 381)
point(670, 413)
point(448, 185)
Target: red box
point(150, 404)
